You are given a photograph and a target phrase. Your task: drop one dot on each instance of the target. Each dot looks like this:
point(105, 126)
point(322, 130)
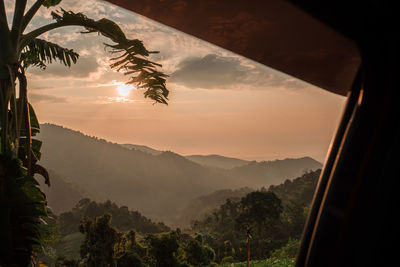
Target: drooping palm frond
point(39, 53)
point(132, 58)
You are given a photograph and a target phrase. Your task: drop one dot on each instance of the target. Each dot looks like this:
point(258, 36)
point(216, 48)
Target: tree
point(197, 254)
point(106, 246)
point(100, 239)
point(129, 253)
point(260, 208)
point(163, 249)
point(22, 204)
point(260, 214)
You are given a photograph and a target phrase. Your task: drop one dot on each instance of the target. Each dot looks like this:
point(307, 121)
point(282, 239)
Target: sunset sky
point(220, 103)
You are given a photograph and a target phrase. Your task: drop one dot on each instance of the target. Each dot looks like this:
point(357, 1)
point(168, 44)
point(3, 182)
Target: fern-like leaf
point(39, 53)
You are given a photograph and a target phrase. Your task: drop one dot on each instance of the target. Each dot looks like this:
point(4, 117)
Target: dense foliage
point(123, 218)
point(296, 196)
point(273, 223)
point(226, 228)
point(299, 189)
point(111, 238)
point(104, 245)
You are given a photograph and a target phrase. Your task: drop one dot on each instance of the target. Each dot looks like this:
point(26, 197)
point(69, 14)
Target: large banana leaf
point(35, 126)
point(132, 58)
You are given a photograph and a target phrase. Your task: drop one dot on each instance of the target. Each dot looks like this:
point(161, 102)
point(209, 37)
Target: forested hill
point(122, 218)
point(274, 171)
point(300, 189)
point(197, 208)
point(275, 217)
point(157, 185)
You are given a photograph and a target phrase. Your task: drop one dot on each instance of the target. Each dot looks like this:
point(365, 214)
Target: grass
point(271, 262)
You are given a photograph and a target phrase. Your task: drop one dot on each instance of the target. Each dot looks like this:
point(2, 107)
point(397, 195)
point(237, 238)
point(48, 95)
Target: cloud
point(85, 66)
point(192, 62)
point(40, 98)
point(225, 72)
point(210, 71)
point(263, 77)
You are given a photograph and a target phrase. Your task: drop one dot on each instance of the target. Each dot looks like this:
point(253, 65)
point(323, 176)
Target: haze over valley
point(159, 184)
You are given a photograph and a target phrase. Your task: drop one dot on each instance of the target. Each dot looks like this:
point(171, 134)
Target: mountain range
point(157, 183)
point(216, 161)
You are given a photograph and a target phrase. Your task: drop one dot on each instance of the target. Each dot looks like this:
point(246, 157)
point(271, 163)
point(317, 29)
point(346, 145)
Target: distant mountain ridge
point(159, 186)
point(143, 148)
point(217, 161)
point(274, 171)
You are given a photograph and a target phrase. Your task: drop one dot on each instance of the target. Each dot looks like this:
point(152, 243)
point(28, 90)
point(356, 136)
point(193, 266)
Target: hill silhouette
point(63, 193)
point(142, 148)
point(274, 172)
point(159, 186)
point(300, 189)
point(217, 161)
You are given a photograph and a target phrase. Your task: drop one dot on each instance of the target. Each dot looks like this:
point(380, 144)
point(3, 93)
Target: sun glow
point(124, 89)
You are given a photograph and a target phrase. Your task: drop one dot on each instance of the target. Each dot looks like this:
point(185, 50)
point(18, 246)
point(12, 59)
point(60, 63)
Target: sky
point(220, 103)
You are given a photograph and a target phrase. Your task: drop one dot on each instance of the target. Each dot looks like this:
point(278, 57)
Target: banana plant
point(22, 203)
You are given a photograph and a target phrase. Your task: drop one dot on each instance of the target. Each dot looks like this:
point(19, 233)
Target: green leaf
point(21, 209)
point(39, 53)
point(36, 146)
point(29, 180)
point(35, 126)
point(50, 3)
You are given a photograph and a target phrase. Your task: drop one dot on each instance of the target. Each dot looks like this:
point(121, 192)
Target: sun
point(124, 89)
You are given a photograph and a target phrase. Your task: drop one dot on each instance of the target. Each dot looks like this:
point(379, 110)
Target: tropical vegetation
point(22, 203)
point(94, 232)
point(275, 218)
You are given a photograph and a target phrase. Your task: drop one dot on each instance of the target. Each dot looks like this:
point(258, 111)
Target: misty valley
point(132, 205)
